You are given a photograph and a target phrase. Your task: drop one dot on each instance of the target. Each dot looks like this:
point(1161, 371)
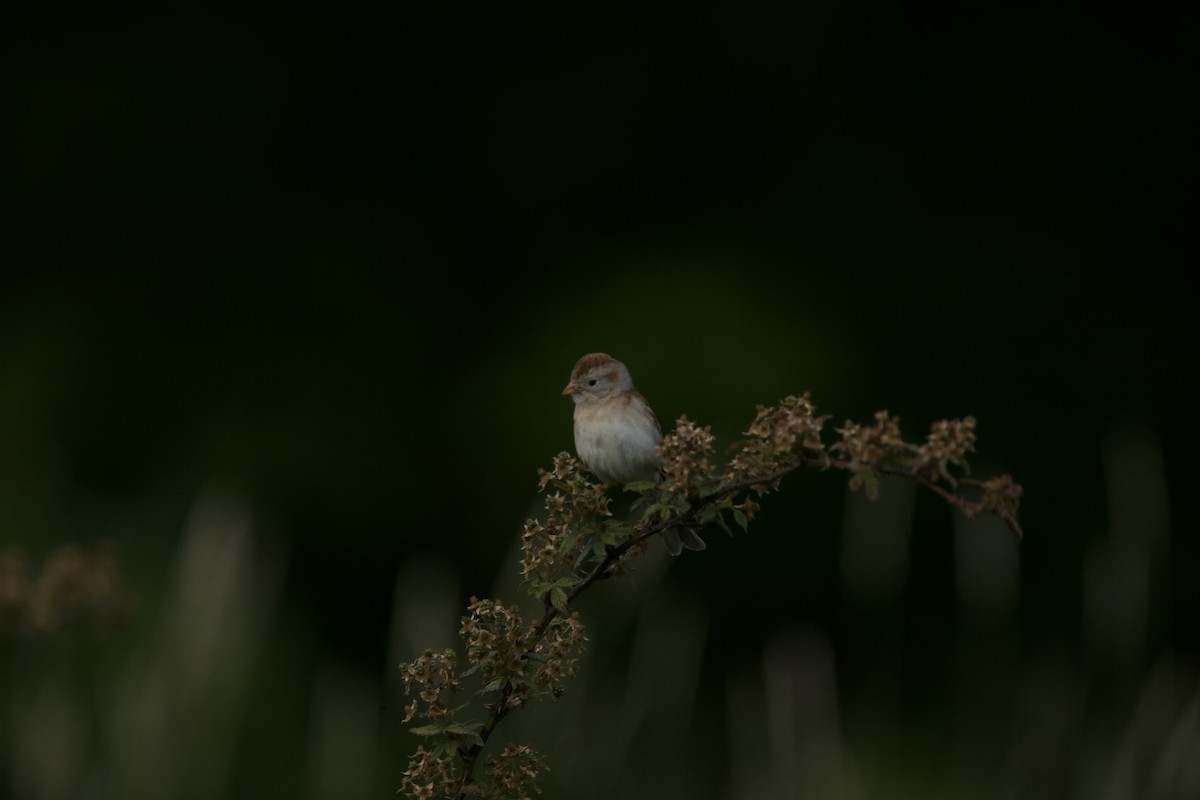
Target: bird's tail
point(678, 538)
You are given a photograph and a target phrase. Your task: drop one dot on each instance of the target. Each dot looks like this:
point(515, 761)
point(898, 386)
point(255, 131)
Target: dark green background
point(339, 261)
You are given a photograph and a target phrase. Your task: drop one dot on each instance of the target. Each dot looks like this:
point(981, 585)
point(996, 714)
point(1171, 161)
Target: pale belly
point(615, 450)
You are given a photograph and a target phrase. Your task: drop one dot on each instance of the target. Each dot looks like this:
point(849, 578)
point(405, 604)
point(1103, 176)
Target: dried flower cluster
point(578, 542)
point(687, 473)
point(865, 447)
point(778, 440)
point(947, 446)
point(1002, 497)
point(869, 452)
point(687, 456)
point(429, 677)
point(575, 515)
point(429, 775)
point(494, 635)
point(516, 661)
point(515, 771)
point(555, 653)
point(74, 588)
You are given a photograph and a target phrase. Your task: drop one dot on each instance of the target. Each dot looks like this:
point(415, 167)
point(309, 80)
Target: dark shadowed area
point(288, 295)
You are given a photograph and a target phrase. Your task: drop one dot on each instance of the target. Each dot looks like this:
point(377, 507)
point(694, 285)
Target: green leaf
point(568, 541)
point(740, 517)
point(661, 509)
point(469, 732)
point(618, 527)
point(640, 486)
point(558, 599)
point(427, 730)
point(494, 685)
point(724, 525)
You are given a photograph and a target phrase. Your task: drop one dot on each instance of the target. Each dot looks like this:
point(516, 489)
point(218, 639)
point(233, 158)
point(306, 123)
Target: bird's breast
point(617, 440)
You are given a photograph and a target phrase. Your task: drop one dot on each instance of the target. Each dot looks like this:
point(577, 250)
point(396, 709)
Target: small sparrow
point(616, 433)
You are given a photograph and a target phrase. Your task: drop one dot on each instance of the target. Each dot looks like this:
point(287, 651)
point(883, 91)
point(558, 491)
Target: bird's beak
point(571, 388)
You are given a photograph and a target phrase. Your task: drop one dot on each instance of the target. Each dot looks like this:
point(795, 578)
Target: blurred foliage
point(337, 261)
point(71, 590)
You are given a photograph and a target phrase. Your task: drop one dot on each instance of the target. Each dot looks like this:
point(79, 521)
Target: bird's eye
point(592, 382)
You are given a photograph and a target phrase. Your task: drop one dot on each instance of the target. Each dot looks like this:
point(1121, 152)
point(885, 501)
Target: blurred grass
point(213, 695)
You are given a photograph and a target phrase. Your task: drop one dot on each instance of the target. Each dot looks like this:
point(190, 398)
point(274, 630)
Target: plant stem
point(500, 709)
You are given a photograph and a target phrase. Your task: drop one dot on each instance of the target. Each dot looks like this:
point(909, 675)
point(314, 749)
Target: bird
point(617, 434)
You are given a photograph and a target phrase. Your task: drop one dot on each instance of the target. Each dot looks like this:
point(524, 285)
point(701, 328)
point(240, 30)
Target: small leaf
point(724, 525)
point(470, 732)
point(618, 527)
point(657, 508)
point(494, 685)
point(558, 599)
point(427, 730)
point(740, 517)
point(640, 486)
